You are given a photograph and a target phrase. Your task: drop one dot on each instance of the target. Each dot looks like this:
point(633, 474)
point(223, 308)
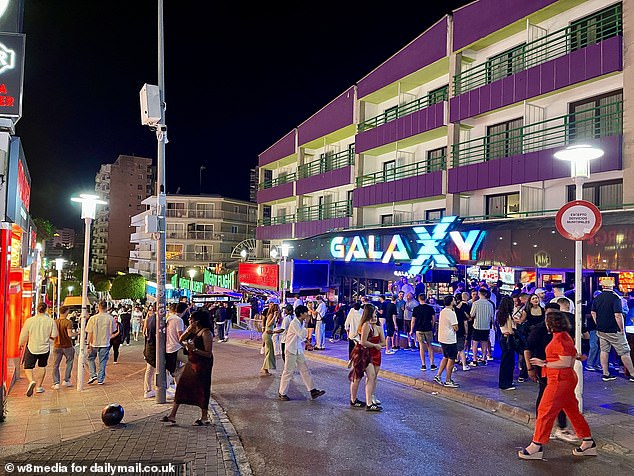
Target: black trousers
point(126, 333)
point(507, 362)
point(351, 344)
point(562, 421)
point(115, 348)
point(283, 351)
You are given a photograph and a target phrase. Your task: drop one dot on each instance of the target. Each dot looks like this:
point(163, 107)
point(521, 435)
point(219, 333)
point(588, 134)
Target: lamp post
point(579, 157)
point(59, 264)
point(192, 273)
point(70, 290)
point(88, 211)
point(285, 250)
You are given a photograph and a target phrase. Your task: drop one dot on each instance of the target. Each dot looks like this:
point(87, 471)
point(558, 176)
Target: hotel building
point(463, 122)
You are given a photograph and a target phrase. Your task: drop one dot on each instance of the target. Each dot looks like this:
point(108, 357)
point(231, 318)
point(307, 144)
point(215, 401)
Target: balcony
point(317, 219)
point(326, 172)
point(408, 182)
point(564, 57)
point(199, 257)
point(142, 254)
point(525, 154)
point(209, 215)
point(277, 188)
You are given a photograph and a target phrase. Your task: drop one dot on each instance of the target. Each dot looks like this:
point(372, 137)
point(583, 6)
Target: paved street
point(416, 430)
point(65, 425)
point(609, 406)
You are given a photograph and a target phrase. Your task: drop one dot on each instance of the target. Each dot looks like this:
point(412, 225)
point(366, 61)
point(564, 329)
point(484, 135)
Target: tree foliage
point(45, 229)
point(65, 284)
point(128, 286)
point(103, 286)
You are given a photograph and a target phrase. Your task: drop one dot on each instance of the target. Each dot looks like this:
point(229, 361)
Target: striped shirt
point(482, 312)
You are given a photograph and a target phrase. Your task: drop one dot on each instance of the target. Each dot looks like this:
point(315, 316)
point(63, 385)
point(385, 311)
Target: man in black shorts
point(447, 327)
point(390, 326)
point(36, 335)
point(423, 322)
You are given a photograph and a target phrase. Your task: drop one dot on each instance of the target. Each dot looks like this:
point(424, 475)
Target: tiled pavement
point(608, 406)
point(65, 425)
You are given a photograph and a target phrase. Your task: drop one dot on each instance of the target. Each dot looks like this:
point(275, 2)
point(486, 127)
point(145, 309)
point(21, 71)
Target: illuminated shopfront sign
point(423, 247)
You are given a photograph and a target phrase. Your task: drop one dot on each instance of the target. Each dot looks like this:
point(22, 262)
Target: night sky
point(237, 79)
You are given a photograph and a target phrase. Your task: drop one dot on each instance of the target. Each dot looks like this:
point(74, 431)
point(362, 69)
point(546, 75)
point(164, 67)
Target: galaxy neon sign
point(427, 249)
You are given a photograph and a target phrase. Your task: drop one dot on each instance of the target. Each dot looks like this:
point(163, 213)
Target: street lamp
point(192, 273)
point(579, 157)
point(70, 290)
point(244, 253)
point(285, 250)
point(88, 211)
point(59, 264)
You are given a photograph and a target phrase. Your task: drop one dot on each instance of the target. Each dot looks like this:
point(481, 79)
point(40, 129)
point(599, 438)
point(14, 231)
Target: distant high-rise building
point(64, 238)
point(124, 185)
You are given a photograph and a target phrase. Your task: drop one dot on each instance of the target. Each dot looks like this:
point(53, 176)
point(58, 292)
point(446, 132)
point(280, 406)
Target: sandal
point(373, 408)
point(200, 422)
point(589, 451)
point(524, 454)
point(167, 419)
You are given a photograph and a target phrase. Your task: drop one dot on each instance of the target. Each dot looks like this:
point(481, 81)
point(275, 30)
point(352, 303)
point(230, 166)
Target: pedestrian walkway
point(608, 406)
point(64, 426)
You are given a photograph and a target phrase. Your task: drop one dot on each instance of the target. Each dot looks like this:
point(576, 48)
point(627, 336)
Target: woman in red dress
point(560, 392)
point(366, 359)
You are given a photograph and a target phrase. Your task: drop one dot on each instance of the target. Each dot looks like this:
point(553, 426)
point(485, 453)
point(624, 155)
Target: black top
point(461, 315)
point(571, 320)
point(423, 315)
point(538, 339)
point(605, 305)
point(419, 289)
point(125, 317)
point(390, 311)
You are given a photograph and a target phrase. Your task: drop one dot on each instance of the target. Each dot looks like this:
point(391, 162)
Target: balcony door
point(504, 139)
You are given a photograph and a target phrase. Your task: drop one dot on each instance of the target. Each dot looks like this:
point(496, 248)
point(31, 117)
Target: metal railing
point(209, 214)
point(582, 125)
point(404, 171)
point(326, 163)
point(403, 110)
point(201, 256)
point(323, 212)
point(279, 220)
point(603, 25)
point(282, 179)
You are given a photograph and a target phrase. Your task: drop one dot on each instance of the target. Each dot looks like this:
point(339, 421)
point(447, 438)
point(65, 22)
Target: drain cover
point(49, 411)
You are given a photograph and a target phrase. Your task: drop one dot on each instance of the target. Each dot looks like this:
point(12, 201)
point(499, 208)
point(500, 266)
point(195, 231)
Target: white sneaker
point(150, 394)
point(55, 386)
point(39, 390)
point(564, 434)
point(465, 368)
point(67, 384)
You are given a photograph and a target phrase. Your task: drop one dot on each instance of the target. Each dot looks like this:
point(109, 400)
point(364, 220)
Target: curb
point(233, 454)
point(504, 410)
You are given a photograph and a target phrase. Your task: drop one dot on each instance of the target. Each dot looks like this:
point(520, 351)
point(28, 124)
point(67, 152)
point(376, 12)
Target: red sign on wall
point(265, 276)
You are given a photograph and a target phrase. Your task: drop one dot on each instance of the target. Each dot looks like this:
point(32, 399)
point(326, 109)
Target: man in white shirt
point(286, 321)
point(320, 324)
point(36, 337)
point(295, 342)
point(353, 319)
point(174, 328)
point(298, 301)
point(447, 327)
point(99, 329)
point(558, 289)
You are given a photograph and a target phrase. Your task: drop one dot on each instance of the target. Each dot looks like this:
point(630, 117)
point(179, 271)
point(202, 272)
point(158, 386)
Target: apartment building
point(124, 184)
point(63, 238)
point(202, 231)
point(463, 122)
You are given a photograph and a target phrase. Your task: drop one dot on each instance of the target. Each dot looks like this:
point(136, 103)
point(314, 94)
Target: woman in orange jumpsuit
point(560, 392)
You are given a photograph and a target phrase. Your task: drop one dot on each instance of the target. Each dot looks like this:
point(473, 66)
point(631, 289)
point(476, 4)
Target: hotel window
point(505, 64)
point(503, 205)
point(387, 219)
point(203, 252)
point(434, 215)
point(266, 214)
point(173, 251)
point(596, 27)
point(175, 209)
point(435, 159)
point(437, 95)
point(234, 229)
point(504, 139)
point(390, 113)
point(388, 170)
point(608, 194)
point(204, 210)
point(598, 116)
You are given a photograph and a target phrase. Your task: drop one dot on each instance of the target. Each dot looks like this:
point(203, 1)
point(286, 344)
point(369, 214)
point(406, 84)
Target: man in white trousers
point(294, 350)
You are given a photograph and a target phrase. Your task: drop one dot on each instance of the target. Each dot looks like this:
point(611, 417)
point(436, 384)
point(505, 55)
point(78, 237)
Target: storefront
point(513, 251)
point(211, 283)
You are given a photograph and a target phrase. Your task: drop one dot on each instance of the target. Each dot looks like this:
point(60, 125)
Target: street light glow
point(579, 152)
point(192, 273)
point(274, 253)
point(89, 204)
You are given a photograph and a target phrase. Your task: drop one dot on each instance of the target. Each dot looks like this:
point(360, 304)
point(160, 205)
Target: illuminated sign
point(265, 276)
point(12, 48)
point(427, 250)
point(18, 185)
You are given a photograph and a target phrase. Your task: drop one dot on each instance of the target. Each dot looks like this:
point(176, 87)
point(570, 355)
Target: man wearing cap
point(607, 313)
point(558, 289)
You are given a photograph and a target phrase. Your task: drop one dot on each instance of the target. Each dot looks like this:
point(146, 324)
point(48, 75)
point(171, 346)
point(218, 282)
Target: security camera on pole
point(153, 114)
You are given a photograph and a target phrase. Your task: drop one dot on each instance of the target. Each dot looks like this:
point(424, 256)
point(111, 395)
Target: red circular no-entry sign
point(578, 220)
